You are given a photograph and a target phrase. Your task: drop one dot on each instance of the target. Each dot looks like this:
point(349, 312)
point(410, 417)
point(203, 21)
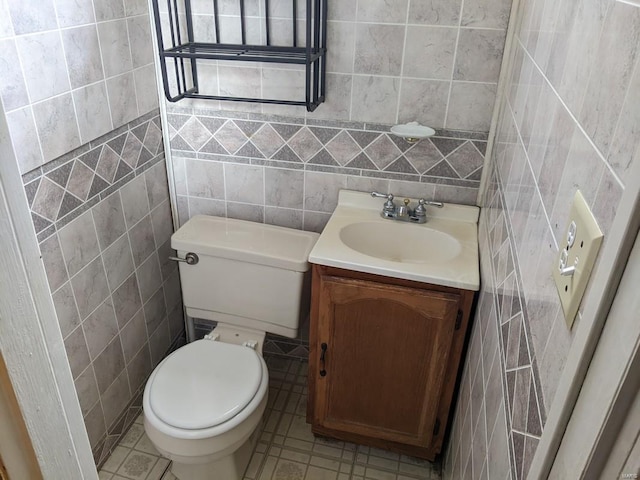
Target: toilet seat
point(204, 384)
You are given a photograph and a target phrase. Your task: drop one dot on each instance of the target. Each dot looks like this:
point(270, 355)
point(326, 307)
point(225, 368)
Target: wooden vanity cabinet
point(384, 357)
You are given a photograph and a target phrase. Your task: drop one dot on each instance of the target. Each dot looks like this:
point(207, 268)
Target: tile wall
point(570, 121)
point(389, 61)
point(287, 171)
point(72, 71)
point(103, 220)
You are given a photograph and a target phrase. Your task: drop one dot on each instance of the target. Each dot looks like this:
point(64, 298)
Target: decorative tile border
point(523, 396)
point(353, 148)
point(64, 188)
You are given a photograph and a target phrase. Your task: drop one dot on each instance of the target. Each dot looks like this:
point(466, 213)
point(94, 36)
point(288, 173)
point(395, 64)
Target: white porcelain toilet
point(204, 402)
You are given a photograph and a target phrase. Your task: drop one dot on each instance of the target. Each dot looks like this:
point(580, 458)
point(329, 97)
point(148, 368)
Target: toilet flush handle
point(190, 259)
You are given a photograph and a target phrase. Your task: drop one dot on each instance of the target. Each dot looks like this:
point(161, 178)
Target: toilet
point(203, 403)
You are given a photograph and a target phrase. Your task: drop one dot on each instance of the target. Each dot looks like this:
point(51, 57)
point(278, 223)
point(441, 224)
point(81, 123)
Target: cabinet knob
point(323, 347)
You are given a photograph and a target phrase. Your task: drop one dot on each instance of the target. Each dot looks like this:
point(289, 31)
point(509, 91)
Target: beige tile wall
point(436, 62)
point(570, 121)
point(72, 71)
point(117, 298)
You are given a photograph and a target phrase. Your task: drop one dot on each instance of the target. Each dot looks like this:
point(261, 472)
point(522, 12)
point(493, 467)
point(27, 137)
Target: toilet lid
point(204, 384)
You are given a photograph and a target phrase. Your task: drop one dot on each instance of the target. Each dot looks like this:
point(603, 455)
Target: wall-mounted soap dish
point(412, 132)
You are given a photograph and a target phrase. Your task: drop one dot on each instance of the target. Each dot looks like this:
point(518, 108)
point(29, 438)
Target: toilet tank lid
point(251, 242)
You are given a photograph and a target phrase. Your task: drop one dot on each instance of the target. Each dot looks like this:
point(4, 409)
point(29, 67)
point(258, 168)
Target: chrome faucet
point(404, 212)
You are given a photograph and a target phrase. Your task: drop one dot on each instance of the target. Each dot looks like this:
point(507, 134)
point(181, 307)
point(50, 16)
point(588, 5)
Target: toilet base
point(230, 467)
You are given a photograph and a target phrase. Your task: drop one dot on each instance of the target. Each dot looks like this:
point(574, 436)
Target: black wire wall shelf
point(181, 54)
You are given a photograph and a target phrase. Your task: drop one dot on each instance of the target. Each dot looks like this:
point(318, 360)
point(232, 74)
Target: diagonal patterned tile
point(97, 186)
point(230, 137)
point(267, 140)
point(140, 131)
point(343, 148)
point(465, 159)
point(286, 131)
point(249, 150)
point(248, 128)
point(401, 165)
point(481, 146)
point(286, 154)
point(364, 139)
point(213, 146)
point(31, 189)
point(118, 143)
point(324, 134)
point(69, 204)
point(131, 150)
point(534, 426)
point(423, 156)
point(300, 351)
point(305, 144)
point(477, 175)
point(107, 164)
point(382, 152)
point(446, 145)
point(194, 133)
point(178, 143)
point(323, 158)
point(286, 347)
point(61, 174)
point(401, 143)
point(90, 159)
point(271, 347)
point(177, 121)
point(442, 169)
point(123, 170)
point(80, 180)
point(362, 161)
point(153, 138)
point(48, 199)
point(211, 123)
point(39, 223)
point(145, 156)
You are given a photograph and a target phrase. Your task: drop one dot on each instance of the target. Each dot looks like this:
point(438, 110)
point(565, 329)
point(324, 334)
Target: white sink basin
point(400, 242)
point(443, 251)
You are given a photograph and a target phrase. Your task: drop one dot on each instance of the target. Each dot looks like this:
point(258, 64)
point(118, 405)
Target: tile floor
point(287, 450)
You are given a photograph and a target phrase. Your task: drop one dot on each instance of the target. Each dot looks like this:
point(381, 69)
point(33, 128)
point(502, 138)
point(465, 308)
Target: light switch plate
point(579, 249)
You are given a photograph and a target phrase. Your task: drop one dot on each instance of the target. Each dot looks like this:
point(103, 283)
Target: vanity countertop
point(442, 251)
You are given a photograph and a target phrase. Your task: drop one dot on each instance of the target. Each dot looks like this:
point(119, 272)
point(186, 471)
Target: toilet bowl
point(201, 435)
point(204, 402)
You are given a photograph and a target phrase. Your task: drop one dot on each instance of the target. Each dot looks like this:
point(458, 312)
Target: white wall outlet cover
point(576, 258)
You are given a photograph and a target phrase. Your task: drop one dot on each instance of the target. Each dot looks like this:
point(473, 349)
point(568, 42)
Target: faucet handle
point(388, 196)
point(389, 207)
point(421, 211)
point(424, 202)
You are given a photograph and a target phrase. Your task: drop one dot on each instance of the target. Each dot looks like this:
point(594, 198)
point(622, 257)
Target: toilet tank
point(248, 274)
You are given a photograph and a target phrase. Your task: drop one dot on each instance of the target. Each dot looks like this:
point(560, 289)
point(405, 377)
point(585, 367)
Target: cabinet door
point(387, 351)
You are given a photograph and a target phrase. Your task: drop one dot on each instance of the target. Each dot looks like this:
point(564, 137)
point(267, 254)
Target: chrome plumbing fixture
point(405, 213)
point(190, 259)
